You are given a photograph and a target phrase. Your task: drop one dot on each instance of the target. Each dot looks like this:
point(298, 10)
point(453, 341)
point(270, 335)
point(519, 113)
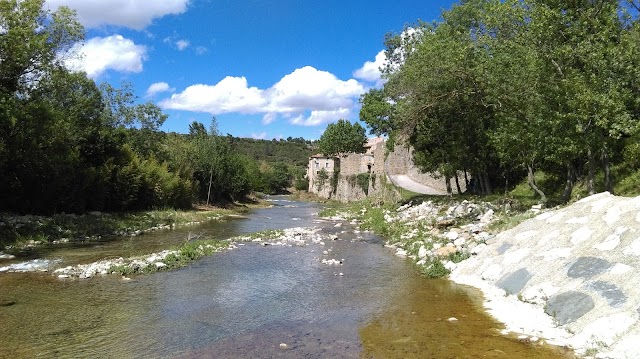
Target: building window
point(326, 165)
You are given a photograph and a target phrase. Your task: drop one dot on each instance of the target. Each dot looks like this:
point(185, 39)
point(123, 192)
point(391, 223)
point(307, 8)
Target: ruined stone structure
point(342, 177)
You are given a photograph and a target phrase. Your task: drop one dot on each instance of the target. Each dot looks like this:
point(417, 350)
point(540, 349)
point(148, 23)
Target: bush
point(301, 184)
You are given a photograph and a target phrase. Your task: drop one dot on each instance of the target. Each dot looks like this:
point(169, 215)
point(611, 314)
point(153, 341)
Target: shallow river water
point(244, 303)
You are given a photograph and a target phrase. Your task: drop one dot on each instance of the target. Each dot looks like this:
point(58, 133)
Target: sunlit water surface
point(246, 302)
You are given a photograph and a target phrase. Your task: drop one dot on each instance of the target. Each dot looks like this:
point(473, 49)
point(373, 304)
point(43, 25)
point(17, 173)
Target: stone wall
point(400, 162)
point(348, 189)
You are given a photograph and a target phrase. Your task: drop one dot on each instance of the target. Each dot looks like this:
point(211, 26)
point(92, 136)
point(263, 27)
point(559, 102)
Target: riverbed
point(252, 302)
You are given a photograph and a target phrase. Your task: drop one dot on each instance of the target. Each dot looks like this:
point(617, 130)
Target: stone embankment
point(570, 275)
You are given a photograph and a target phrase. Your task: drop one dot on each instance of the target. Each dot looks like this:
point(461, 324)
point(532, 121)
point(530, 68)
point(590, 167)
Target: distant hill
point(292, 151)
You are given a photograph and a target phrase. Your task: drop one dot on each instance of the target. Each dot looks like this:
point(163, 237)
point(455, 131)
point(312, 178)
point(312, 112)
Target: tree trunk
point(466, 180)
point(592, 170)
point(479, 181)
point(571, 180)
point(209, 191)
point(457, 183)
point(532, 184)
point(447, 181)
point(487, 183)
point(506, 184)
point(608, 182)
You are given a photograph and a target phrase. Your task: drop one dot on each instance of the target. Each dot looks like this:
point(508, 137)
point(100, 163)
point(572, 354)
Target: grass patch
point(629, 185)
point(508, 221)
point(435, 269)
point(458, 257)
point(179, 257)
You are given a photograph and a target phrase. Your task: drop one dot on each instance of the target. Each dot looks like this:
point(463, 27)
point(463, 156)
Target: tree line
point(500, 90)
point(68, 144)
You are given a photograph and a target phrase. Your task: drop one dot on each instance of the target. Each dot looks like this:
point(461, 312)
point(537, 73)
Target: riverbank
point(567, 276)
point(436, 233)
point(18, 232)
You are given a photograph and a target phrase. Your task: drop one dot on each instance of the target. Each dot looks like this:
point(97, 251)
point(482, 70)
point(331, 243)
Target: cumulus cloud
point(134, 14)
point(232, 94)
point(306, 96)
point(308, 88)
point(100, 54)
point(370, 71)
point(157, 88)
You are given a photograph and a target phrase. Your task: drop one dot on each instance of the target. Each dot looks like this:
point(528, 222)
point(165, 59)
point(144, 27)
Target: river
point(246, 302)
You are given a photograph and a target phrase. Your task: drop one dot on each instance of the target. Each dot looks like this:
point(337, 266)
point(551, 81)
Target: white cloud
point(100, 54)
point(182, 44)
point(135, 14)
point(308, 88)
point(317, 118)
point(232, 94)
point(305, 97)
point(157, 88)
point(259, 136)
point(269, 117)
point(370, 71)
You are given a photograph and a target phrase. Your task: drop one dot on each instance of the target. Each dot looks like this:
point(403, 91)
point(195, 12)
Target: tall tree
point(342, 137)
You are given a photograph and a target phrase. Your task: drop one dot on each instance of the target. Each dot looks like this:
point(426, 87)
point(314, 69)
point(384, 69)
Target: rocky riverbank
point(436, 236)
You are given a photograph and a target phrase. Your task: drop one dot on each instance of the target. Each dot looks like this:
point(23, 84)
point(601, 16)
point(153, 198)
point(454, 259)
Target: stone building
point(340, 181)
point(321, 168)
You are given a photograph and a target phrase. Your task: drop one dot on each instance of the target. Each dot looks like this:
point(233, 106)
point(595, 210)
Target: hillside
point(292, 151)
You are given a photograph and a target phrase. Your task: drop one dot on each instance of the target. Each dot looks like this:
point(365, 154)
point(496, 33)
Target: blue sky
point(264, 69)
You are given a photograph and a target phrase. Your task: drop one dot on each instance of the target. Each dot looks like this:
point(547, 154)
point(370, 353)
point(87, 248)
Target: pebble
point(453, 319)
point(283, 346)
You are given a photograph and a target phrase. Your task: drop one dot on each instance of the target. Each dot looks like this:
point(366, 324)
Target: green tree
point(377, 112)
point(342, 137)
point(31, 42)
